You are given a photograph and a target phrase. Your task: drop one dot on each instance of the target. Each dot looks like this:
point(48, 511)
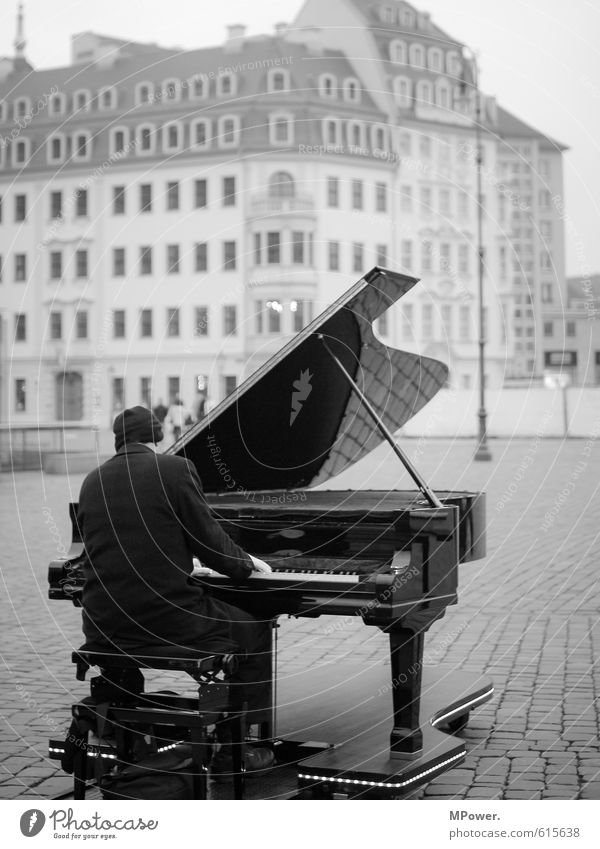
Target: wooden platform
point(340, 715)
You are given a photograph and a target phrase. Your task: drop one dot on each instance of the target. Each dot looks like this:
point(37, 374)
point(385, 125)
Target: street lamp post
point(483, 451)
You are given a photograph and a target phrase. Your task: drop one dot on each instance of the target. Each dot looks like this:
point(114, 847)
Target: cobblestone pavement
point(527, 615)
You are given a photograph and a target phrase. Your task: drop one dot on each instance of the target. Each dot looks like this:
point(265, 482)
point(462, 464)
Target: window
point(281, 185)
point(327, 85)
point(145, 323)
point(357, 194)
point(274, 310)
point(20, 395)
point(118, 200)
point(20, 267)
point(407, 321)
point(172, 321)
point(81, 203)
point(425, 198)
point(107, 98)
point(81, 324)
point(173, 195)
point(301, 314)
point(55, 265)
point(144, 93)
point(548, 328)
point(333, 192)
point(298, 251)
point(171, 90)
point(570, 329)
point(145, 138)
point(381, 197)
point(442, 95)
point(463, 204)
point(435, 59)
point(378, 137)
point(464, 323)
point(201, 256)
point(544, 168)
point(146, 391)
point(229, 256)
point(82, 146)
point(463, 259)
point(445, 265)
point(406, 254)
point(352, 90)
point(82, 100)
point(405, 143)
point(426, 255)
point(445, 201)
point(20, 207)
point(199, 87)
point(22, 106)
point(146, 259)
point(545, 199)
point(381, 254)
point(356, 135)
point(230, 320)
point(56, 148)
point(225, 85)
point(20, 327)
point(406, 198)
point(333, 251)
point(416, 54)
point(200, 133)
point(331, 131)
point(358, 252)
point(172, 135)
point(146, 197)
point(546, 229)
point(81, 263)
point(118, 324)
point(55, 204)
point(425, 146)
point(258, 248)
point(21, 150)
point(200, 194)
point(118, 393)
point(173, 259)
point(118, 263)
point(118, 140)
point(55, 325)
point(278, 80)
point(229, 131)
point(545, 261)
point(228, 191)
point(398, 52)
point(229, 384)
point(281, 129)
point(402, 91)
point(447, 320)
point(201, 324)
point(174, 388)
point(273, 248)
point(427, 321)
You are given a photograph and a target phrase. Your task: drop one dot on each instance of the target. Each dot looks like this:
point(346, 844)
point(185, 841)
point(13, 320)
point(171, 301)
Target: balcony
point(265, 206)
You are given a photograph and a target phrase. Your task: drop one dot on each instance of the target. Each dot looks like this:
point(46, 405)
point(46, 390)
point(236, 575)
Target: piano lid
point(295, 422)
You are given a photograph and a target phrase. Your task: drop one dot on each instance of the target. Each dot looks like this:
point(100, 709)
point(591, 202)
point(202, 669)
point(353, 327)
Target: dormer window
point(407, 18)
point(144, 93)
point(22, 107)
point(328, 85)
point(398, 52)
point(198, 87)
point(356, 134)
point(379, 137)
point(352, 90)
point(172, 137)
point(424, 93)
point(416, 55)
point(57, 104)
point(278, 80)
point(171, 90)
point(107, 98)
point(281, 129)
point(200, 133)
point(81, 144)
point(56, 148)
point(146, 138)
point(436, 59)
point(225, 85)
point(229, 130)
point(82, 100)
point(331, 131)
point(387, 14)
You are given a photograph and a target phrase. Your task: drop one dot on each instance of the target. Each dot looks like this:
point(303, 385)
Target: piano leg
point(406, 653)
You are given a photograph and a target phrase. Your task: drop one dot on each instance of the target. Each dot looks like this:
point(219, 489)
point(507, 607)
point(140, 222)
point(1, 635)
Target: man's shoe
point(256, 759)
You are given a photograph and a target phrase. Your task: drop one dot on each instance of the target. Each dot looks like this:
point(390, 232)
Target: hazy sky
point(540, 58)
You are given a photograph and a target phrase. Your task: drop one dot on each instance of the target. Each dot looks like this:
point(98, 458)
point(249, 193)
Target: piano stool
point(130, 710)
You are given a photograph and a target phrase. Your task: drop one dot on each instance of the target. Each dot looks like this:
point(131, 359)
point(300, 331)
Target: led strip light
point(386, 784)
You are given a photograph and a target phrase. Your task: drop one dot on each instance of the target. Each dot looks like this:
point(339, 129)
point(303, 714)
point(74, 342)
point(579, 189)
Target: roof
point(370, 10)
point(583, 288)
point(509, 126)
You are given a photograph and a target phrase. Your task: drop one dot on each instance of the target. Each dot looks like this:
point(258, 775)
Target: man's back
point(142, 516)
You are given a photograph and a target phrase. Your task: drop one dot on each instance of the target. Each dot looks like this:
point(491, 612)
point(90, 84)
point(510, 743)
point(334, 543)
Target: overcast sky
point(540, 58)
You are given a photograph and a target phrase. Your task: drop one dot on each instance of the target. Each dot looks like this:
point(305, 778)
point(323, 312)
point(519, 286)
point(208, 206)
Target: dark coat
point(143, 516)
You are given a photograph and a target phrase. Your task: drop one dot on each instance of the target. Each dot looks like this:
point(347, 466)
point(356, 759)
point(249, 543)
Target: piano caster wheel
point(458, 724)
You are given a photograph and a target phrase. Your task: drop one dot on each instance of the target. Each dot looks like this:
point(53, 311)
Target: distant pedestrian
point(200, 407)
point(160, 411)
point(178, 416)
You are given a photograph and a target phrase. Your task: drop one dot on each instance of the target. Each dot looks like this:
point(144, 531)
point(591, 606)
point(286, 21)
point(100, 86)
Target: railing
point(269, 205)
point(23, 447)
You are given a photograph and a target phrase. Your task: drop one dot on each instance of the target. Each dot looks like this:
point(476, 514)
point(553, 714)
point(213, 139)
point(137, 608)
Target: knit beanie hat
point(136, 424)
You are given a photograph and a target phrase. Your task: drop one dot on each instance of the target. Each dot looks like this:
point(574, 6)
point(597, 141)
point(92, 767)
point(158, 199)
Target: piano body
point(265, 454)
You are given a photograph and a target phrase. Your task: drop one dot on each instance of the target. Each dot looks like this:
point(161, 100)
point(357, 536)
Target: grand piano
point(265, 456)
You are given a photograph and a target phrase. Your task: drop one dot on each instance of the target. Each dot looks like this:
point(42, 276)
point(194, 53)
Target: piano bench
point(118, 698)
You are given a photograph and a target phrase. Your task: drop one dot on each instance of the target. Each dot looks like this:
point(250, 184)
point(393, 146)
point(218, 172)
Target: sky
point(540, 58)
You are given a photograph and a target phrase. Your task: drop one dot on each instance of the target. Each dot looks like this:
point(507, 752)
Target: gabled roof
point(509, 126)
point(370, 8)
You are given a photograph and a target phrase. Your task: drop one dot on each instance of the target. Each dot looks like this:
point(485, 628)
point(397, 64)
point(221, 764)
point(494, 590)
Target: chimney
point(280, 29)
point(236, 31)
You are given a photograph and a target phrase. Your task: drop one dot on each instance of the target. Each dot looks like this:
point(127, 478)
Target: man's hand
point(259, 565)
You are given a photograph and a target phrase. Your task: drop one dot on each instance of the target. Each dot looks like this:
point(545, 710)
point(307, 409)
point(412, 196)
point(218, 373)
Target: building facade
point(170, 218)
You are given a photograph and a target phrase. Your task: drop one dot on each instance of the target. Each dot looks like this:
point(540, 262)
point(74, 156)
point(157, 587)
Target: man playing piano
point(143, 517)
